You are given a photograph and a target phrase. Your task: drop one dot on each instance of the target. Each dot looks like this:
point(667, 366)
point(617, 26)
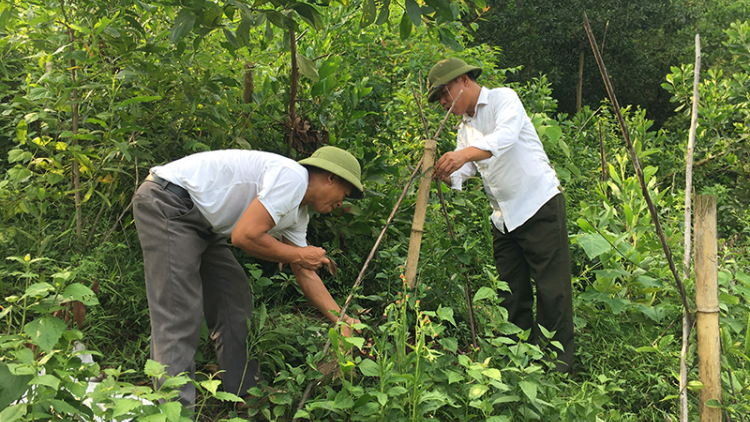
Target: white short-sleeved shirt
point(518, 179)
point(222, 184)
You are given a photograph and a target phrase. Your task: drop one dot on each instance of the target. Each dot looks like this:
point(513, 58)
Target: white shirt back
point(223, 183)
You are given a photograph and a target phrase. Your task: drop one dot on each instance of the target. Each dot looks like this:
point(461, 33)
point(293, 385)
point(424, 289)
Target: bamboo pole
point(439, 183)
point(686, 324)
point(707, 306)
point(417, 226)
point(636, 165)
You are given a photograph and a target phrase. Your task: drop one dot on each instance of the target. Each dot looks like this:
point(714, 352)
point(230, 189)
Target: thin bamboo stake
point(636, 165)
point(420, 209)
point(707, 306)
point(439, 183)
point(312, 383)
point(688, 224)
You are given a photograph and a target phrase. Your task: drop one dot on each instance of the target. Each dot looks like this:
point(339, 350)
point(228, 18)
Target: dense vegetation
point(94, 93)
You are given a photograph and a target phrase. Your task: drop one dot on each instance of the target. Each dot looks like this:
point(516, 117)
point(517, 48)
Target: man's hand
point(346, 330)
point(311, 258)
point(447, 164)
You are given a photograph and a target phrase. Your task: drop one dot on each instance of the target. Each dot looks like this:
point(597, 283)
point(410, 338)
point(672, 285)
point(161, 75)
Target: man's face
point(332, 196)
point(449, 93)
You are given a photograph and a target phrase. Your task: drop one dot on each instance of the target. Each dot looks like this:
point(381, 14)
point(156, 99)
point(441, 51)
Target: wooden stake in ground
point(707, 306)
point(417, 226)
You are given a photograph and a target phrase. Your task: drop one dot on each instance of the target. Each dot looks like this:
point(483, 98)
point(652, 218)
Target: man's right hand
point(311, 258)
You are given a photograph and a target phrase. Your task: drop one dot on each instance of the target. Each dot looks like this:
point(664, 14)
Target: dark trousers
point(191, 273)
point(538, 250)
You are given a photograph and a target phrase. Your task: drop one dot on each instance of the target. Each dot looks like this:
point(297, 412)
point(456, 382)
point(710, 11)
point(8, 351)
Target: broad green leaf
point(396, 391)
point(63, 408)
point(448, 39)
point(22, 130)
point(13, 413)
point(357, 342)
point(449, 343)
point(492, 373)
point(12, 387)
point(19, 174)
point(506, 399)
point(477, 390)
point(443, 9)
point(729, 299)
point(414, 12)
point(309, 14)
point(743, 277)
point(39, 289)
point(171, 410)
point(483, 293)
point(554, 132)
point(48, 380)
point(231, 38)
point(480, 4)
point(45, 331)
point(369, 368)
point(124, 406)
point(382, 398)
point(529, 388)
point(269, 31)
point(307, 67)
point(369, 13)
point(446, 314)
point(404, 28)
point(183, 24)
point(211, 385)
point(179, 381)
point(385, 11)
point(594, 244)
point(15, 155)
point(454, 376)
point(153, 368)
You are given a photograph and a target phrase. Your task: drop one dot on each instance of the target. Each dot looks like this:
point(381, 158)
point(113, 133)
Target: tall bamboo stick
point(636, 165)
point(707, 306)
point(686, 324)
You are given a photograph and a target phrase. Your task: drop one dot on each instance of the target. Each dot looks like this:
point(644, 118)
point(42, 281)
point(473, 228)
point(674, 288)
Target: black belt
point(177, 190)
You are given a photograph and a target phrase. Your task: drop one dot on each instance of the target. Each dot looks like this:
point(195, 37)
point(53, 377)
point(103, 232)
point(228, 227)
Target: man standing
point(530, 239)
point(184, 213)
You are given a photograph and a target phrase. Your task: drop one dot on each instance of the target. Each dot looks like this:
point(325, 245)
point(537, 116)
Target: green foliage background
point(95, 93)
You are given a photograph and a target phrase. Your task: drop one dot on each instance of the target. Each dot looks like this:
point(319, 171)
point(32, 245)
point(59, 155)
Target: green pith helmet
point(339, 162)
point(445, 71)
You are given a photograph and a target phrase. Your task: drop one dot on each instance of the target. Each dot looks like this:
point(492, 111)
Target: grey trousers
point(191, 273)
point(538, 250)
